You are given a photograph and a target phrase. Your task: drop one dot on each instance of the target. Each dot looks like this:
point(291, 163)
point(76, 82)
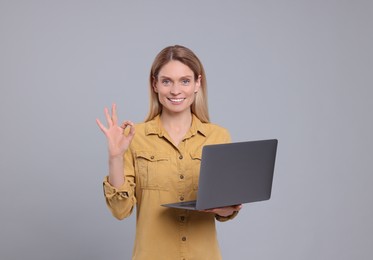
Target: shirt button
point(124, 194)
point(181, 198)
point(180, 157)
point(152, 157)
point(182, 218)
point(181, 176)
point(183, 238)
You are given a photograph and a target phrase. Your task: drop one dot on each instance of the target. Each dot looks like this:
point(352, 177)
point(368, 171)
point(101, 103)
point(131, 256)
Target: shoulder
point(211, 127)
point(218, 132)
point(213, 132)
point(141, 129)
point(141, 125)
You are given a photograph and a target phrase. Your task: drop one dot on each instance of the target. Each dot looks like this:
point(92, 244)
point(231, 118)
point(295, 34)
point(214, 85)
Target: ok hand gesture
point(118, 142)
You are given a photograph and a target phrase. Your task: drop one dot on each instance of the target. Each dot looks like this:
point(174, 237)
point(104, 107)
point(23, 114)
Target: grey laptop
point(233, 173)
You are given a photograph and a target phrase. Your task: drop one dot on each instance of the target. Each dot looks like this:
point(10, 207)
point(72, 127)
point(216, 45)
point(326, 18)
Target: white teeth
point(176, 99)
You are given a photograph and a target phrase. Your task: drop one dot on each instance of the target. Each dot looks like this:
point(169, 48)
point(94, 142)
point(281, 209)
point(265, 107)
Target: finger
point(108, 117)
point(238, 207)
point(127, 123)
point(100, 125)
point(132, 130)
point(114, 114)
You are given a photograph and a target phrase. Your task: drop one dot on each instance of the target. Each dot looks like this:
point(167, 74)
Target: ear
point(198, 84)
point(154, 85)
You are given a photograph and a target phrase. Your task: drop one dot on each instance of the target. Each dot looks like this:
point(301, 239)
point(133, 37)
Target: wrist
point(115, 158)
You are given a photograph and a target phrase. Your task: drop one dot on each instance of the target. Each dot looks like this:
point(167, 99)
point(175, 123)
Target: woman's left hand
point(225, 211)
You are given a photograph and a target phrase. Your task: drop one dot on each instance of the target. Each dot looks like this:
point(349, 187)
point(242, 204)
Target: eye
point(185, 82)
point(166, 82)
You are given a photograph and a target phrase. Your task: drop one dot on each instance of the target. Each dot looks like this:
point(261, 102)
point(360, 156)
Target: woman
point(161, 163)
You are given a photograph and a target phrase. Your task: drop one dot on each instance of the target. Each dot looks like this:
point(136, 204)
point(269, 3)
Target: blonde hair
point(187, 57)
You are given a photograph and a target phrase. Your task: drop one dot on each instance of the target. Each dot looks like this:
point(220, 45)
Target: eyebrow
point(182, 77)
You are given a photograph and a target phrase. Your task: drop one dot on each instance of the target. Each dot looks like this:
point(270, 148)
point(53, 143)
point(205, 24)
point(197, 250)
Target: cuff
point(222, 219)
point(125, 191)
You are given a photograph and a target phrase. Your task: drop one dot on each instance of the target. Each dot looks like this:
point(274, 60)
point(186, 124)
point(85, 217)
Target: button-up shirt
point(158, 172)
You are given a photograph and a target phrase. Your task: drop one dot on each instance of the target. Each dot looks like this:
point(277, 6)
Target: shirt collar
point(196, 127)
point(155, 127)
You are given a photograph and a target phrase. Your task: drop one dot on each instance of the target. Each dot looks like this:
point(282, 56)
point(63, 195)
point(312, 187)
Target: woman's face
point(176, 87)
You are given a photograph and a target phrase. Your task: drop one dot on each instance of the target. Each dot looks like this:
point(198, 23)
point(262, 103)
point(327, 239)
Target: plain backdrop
point(298, 71)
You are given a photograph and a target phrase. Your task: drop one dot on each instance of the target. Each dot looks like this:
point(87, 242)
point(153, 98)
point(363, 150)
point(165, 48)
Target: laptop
point(232, 174)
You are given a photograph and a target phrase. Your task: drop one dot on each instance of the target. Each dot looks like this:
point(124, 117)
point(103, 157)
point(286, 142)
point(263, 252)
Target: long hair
point(187, 57)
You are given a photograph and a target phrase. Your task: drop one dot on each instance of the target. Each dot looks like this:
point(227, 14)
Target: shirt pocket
point(195, 168)
point(153, 169)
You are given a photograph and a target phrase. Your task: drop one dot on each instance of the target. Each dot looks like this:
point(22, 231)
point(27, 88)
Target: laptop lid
point(234, 173)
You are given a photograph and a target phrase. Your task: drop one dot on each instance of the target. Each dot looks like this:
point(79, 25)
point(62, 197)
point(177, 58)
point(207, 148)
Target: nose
point(175, 89)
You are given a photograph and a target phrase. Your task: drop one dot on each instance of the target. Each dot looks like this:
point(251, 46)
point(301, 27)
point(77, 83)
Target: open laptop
point(232, 174)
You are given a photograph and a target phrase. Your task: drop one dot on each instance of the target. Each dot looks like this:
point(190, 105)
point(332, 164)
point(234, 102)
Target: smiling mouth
point(176, 100)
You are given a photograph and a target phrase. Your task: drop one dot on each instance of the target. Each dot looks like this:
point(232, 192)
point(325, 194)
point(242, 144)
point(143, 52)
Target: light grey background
point(299, 71)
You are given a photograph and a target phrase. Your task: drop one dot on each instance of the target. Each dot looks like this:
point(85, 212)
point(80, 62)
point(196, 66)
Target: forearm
point(116, 174)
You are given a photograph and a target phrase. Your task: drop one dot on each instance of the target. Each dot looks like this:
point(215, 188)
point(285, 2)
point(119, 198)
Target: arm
point(118, 189)
point(118, 144)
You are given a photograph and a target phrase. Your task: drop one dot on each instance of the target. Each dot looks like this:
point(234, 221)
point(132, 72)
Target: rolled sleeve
point(120, 201)
point(223, 219)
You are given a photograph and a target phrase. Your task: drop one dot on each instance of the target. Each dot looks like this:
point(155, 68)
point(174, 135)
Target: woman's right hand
point(118, 142)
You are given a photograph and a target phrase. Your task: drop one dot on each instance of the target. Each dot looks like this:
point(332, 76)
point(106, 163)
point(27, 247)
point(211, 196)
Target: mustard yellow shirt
point(157, 172)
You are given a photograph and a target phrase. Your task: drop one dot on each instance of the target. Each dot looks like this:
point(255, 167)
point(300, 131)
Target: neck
point(176, 124)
